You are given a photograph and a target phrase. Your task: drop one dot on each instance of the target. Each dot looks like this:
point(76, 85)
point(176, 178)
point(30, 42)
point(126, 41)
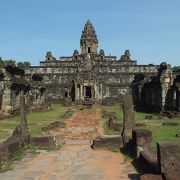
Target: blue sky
point(149, 29)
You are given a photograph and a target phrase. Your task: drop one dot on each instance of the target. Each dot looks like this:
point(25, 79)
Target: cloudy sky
point(149, 29)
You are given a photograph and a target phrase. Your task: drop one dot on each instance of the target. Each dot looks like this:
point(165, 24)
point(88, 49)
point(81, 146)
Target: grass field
point(160, 133)
point(36, 121)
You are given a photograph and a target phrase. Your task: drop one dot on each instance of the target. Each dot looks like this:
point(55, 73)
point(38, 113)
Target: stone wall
point(159, 92)
point(10, 92)
point(107, 80)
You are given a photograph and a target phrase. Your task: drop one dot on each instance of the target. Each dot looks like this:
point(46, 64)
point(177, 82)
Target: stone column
point(81, 92)
point(6, 99)
point(128, 119)
point(23, 120)
point(77, 91)
point(169, 159)
point(142, 139)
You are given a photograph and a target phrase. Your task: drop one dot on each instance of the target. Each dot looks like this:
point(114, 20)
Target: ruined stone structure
point(11, 81)
point(160, 92)
point(89, 74)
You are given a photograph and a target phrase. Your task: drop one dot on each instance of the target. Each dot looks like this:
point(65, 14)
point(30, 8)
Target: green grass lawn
point(36, 120)
point(160, 133)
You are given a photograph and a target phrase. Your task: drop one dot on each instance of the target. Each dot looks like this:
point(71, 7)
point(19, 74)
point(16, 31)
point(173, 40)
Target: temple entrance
point(73, 91)
point(88, 92)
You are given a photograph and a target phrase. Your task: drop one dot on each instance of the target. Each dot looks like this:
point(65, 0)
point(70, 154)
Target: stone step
point(78, 142)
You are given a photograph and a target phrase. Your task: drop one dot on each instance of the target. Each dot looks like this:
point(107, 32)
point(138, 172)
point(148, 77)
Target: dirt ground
point(76, 160)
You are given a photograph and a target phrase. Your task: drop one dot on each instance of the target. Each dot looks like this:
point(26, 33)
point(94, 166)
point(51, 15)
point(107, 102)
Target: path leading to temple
point(83, 125)
point(76, 160)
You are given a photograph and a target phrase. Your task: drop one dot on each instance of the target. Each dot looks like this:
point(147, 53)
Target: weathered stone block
point(149, 158)
point(170, 124)
point(151, 177)
point(47, 141)
point(108, 101)
point(169, 159)
point(54, 125)
point(142, 139)
point(106, 141)
point(128, 119)
point(43, 141)
point(114, 126)
point(10, 147)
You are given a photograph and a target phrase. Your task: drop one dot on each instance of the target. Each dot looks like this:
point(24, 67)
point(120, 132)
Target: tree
point(23, 64)
point(10, 63)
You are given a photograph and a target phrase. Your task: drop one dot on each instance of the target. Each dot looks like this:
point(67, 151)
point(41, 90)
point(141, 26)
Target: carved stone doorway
point(88, 92)
point(73, 93)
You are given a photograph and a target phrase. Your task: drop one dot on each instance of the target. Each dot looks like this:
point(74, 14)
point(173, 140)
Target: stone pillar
point(128, 119)
point(77, 92)
point(142, 139)
point(169, 159)
point(81, 92)
point(6, 99)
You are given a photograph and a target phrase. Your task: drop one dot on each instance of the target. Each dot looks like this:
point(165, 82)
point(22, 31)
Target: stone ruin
point(102, 77)
point(160, 92)
point(11, 81)
point(128, 119)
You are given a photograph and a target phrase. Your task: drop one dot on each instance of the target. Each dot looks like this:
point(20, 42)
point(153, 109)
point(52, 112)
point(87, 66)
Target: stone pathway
point(83, 125)
point(76, 160)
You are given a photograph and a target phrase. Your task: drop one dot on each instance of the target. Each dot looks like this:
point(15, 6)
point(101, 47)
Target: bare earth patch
point(83, 125)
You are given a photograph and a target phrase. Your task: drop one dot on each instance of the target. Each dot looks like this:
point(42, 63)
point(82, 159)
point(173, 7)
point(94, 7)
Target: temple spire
point(89, 41)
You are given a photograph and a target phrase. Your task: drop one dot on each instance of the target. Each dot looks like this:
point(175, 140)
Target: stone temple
point(90, 73)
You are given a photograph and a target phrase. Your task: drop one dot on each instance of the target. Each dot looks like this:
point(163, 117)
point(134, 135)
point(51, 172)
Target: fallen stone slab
point(68, 114)
point(107, 141)
point(170, 123)
point(150, 177)
point(177, 135)
point(10, 147)
point(78, 142)
point(54, 125)
point(46, 141)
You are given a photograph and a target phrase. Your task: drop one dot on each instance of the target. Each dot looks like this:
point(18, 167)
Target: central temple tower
point(89, 41)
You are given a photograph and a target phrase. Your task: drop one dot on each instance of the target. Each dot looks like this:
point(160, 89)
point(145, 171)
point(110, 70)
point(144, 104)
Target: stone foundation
point(169, 159)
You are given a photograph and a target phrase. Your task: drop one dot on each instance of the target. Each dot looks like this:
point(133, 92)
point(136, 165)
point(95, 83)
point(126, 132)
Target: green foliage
point(175, 68)
point(1, 63)
point(4, 63)
point(23, 64)
point(10, 62)
point(117, 109)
